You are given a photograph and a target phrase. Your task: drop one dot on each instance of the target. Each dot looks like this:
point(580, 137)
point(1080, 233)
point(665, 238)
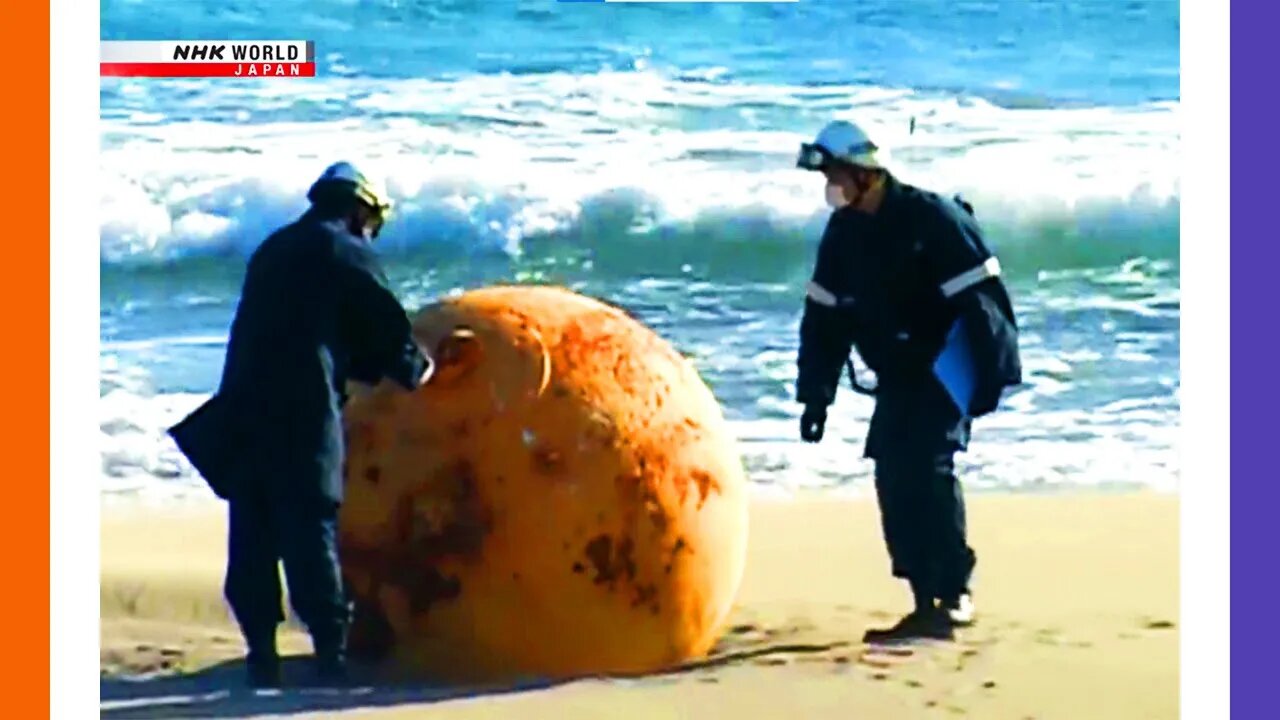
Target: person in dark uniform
point(315, 312)
point(902, 273)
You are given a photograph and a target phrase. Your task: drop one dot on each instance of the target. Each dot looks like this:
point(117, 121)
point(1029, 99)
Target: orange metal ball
point(562, 498)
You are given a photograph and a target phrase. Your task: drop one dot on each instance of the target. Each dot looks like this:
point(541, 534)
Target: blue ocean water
point(643, 153)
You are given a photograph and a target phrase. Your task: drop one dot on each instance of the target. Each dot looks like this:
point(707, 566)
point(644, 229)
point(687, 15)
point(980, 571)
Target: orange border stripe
point(24, 364)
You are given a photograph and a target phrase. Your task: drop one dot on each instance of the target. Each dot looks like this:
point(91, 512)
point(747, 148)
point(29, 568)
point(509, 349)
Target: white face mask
point(835, 196)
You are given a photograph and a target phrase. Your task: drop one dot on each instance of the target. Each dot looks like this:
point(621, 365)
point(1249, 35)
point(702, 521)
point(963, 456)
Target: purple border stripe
point(1255, 259)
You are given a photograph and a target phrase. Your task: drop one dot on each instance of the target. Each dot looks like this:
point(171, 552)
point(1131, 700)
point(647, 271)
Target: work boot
point(264, 670)
point(331, 658)
point(927, 623)
point(329, 668)
point(959, 609)
point(262, 660)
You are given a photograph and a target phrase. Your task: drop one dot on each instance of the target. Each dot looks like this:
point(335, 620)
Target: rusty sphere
point(561, 498)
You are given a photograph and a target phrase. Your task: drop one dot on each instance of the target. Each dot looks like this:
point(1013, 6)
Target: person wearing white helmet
point(346, 194)
point(904, 277)
point(315, 312)
point(846, 155)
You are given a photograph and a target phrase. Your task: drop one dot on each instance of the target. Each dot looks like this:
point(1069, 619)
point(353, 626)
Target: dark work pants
point(915, 433)
point(923, 516)
point(265, 529)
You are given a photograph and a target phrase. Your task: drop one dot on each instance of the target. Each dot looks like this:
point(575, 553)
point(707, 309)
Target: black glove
point(812, 421)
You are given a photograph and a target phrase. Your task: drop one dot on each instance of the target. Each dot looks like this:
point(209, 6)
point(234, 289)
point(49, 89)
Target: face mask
point(835, 196)
point(365, 226)
point(357, 228)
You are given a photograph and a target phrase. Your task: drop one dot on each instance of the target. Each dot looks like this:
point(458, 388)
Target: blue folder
point(955, 369)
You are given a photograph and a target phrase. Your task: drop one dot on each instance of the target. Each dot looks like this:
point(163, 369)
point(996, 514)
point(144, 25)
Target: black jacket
point(315, 311)
point(891, 285)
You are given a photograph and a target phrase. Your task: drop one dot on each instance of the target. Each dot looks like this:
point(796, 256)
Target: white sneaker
point(962, 613)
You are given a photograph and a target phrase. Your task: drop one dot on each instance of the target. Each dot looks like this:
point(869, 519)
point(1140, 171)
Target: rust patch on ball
point(647, 498)
point(547, 460)
point(657, 515)
point(610, 562)
point(625, 559)
point(460, 430)
point(599, 552)
point(429, 587)
point(466, 520)
point(454, 528)
point(644, 595)
point(625, 484)
point(581, 348)
point(706, 485)
point(680, 545)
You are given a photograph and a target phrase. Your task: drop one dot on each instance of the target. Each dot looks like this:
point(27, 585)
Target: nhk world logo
point(208, 58)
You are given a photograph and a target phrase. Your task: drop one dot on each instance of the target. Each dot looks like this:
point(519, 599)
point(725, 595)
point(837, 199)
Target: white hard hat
point(839, 141)
point(345, 174)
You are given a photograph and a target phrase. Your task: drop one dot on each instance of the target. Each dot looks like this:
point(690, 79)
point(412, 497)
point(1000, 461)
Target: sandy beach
point(1077, 598)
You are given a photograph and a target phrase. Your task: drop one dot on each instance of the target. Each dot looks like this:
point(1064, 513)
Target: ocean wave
point(501, 163)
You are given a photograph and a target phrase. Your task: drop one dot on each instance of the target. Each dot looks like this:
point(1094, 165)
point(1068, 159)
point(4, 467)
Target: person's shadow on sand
point(220, 692)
